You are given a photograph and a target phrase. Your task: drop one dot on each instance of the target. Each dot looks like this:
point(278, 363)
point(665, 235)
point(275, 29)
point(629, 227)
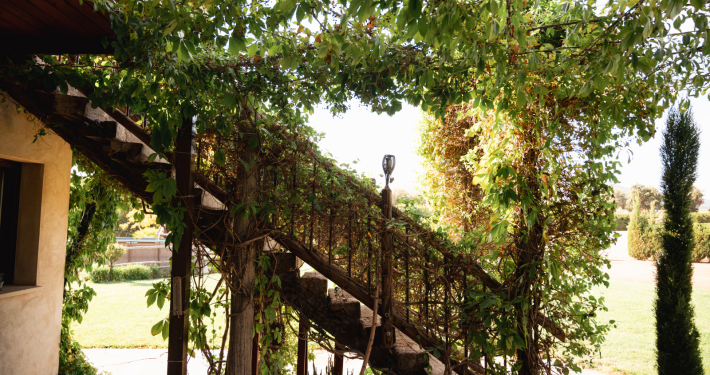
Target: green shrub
point(114, 252)
point(636, 228)
point(163, 273)
point(701, 232)
point(646, 243)
point(100, 274)
point(128, 273)
point(72, 360)
point(651, 241)
point(622, 221)
point(701, 218)
point(136, 272)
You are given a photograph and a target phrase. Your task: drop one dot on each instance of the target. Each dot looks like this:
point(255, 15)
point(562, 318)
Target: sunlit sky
point(365, 137)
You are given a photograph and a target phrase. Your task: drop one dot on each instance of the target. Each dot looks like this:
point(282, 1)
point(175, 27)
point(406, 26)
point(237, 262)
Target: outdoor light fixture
point(388, 163)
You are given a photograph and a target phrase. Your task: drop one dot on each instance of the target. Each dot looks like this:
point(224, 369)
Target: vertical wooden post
point(330, 222)
point(239, 356)
point(350, 240)
point(338, 363)
point(330, 235)
point(369, 265)
point(426, 288)
point(406, 269)
point(179, 310)
point(313, 206)
point(255, 355)
point(302, 354)
point(447, 348)
point(387, 273)
point(293, 188)
point(465, 302)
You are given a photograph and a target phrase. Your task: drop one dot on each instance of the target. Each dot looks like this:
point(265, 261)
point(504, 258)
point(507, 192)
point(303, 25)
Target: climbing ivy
point(606, 72)
point(94, 204)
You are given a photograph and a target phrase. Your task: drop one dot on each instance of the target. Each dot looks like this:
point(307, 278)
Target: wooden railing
point(335, 222)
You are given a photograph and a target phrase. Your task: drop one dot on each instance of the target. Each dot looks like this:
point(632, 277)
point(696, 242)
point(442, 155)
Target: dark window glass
point(9, 205)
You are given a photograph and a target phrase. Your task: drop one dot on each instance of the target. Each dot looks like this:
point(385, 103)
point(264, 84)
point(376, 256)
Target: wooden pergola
point(68, 27)
point(53, 27)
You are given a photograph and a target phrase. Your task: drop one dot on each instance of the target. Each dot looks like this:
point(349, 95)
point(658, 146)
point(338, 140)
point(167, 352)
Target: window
point(10, 174)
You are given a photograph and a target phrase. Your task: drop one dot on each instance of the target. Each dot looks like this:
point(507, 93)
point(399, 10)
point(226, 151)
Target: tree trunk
point(75, 248)
point(531, 248)
point(239, 357)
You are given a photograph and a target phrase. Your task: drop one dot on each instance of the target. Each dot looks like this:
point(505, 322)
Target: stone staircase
point(122, 150)
point(347, 320)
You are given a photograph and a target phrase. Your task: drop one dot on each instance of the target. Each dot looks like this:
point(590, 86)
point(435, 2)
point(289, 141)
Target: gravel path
point(626, 268)
point(155, 361)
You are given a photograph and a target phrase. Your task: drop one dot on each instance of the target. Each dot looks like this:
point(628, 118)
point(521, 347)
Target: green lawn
point(118, 317)
point(629, 348)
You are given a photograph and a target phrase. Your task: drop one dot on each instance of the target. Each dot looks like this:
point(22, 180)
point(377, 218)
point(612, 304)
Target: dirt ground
point(626, 268)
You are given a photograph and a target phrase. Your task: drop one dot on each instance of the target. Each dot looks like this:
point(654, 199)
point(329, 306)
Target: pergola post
point(302, 354)
point(255, 355)
point(182, 259)
point(240, 357)
point(338, 362)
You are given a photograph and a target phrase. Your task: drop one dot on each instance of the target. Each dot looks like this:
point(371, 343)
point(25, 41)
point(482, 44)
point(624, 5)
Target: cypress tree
point(677, 338)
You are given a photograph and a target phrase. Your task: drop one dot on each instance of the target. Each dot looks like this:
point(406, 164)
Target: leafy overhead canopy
point(555, 80)
point(206, 57)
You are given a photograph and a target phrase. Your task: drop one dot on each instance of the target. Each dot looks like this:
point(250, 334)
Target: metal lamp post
point(388, 163)
point(388, 337)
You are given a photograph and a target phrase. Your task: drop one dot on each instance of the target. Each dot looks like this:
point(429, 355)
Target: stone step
point(312, 292)
point(348, 320)
point(409, 357)
point(140, 168)
point(119, 150)
point(99, 130)
point(343, 304)
point(315, 283)
point(366, 323)
point(283, 262)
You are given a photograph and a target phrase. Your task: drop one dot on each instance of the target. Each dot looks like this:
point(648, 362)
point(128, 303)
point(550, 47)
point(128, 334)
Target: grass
point(630, 347)
point(118, 317)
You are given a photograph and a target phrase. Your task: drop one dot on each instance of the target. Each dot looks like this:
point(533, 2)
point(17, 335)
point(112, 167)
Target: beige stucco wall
point(30, 323)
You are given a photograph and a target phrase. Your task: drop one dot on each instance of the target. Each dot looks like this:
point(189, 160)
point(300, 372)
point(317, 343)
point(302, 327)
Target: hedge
point(701, 232)
point(128, 273)
point(646, 242)
point(622, 221)
point(701, 218)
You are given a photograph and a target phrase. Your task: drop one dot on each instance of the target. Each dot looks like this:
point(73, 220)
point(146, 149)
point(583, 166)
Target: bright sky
point(361, 134)
point(645, 165)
